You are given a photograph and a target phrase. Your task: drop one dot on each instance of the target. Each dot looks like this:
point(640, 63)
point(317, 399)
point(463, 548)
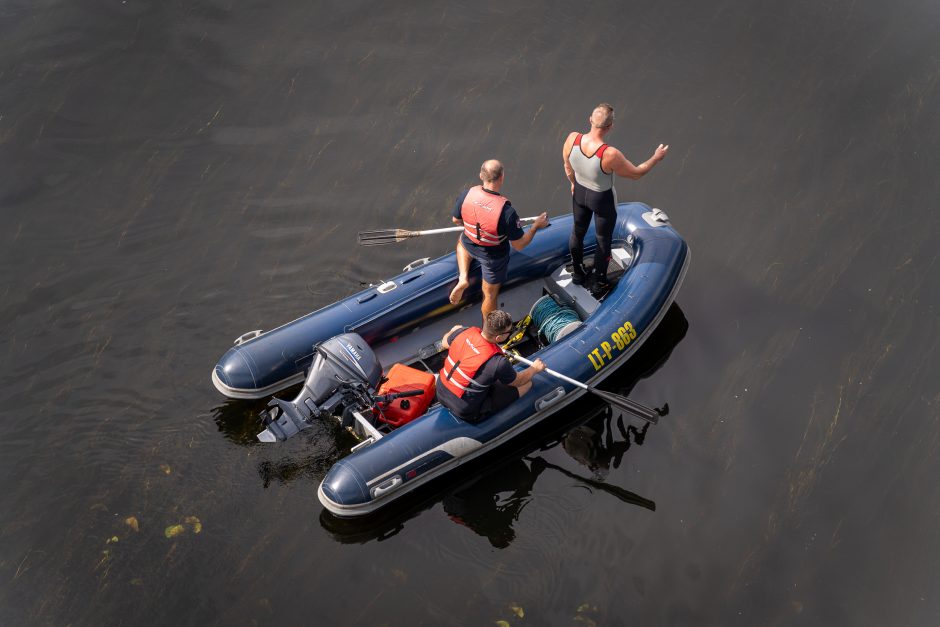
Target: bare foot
point(457, 292)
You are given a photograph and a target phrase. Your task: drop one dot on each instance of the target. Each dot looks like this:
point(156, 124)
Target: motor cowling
point(344, 374)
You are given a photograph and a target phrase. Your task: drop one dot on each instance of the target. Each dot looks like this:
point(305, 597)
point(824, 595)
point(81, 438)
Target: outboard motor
point(342, 379)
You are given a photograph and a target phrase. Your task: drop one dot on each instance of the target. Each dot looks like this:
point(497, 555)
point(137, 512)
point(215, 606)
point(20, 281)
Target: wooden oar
point(637, 409)
point(390, 236)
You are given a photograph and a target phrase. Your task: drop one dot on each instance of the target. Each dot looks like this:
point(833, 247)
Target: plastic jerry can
point(402, 378)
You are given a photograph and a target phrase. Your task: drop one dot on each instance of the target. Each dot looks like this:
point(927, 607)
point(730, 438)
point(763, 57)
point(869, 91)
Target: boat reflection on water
point(485, 507)
point(482, 507)
point(488, 495)
point(595, 446)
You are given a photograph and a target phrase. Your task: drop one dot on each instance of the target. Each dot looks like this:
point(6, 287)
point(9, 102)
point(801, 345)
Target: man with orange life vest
point(491, 225)
point(593, 193)
point(477, 380)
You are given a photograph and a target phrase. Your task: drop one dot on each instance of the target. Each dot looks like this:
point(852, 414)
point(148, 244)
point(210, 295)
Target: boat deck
point(421, 348)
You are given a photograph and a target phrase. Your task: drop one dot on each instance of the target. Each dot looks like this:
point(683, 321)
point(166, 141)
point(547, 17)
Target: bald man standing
point(491, 225)
point(590, 165)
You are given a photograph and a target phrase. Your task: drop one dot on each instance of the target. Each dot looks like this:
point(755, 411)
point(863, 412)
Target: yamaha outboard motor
point(342, 379)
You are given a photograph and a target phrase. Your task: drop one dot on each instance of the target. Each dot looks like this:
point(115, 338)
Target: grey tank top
point(587, 170)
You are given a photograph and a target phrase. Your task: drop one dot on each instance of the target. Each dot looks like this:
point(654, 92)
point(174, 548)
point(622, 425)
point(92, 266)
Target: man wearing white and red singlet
point(590, 165)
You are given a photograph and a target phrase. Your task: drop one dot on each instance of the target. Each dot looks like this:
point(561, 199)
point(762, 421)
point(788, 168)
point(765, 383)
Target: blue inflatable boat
point(351, 355)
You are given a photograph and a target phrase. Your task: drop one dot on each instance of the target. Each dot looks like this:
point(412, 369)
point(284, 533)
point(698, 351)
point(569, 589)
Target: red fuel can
point(402, 378)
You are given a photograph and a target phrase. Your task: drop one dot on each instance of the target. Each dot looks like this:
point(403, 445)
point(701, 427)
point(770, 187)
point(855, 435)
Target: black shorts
point(499, 397)
point(494, 264)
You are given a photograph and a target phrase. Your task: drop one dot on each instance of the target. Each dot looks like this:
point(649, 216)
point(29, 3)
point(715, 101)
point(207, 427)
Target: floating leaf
point(137, 582)
point(174, 530)
point(166, 469)
point(131, 522)
point(112, 539)
point(194, 522)
point(502, 623)
point(517, 610)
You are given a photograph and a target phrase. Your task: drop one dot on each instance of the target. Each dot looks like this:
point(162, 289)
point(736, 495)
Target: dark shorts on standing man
point(495, 267)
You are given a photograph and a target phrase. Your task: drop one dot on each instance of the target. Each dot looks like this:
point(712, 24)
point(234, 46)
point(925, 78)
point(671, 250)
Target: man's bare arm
point(565, 153)
point(621, 166)
point(540, 223)
point(526, 375)
point(444, 343)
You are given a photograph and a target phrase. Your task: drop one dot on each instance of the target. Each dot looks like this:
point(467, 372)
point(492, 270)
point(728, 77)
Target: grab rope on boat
point(553, 320)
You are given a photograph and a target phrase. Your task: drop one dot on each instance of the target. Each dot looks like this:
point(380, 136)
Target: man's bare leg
point(463, 267)
point(490, 298)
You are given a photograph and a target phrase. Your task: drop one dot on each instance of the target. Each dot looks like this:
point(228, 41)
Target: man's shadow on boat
point(488, 494)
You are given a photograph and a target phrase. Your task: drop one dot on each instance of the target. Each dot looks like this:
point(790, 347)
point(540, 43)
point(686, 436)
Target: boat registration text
point(620, 339)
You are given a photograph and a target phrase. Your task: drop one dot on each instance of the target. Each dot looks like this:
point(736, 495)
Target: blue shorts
point(495, 268)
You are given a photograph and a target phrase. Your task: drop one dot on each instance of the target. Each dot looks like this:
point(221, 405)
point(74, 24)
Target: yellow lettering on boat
point(606, 352)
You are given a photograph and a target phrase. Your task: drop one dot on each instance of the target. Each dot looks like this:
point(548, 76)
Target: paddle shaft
point(389, 236)
point(455, 229)
point(450, 229)
point(558, 375)
point(637, 409)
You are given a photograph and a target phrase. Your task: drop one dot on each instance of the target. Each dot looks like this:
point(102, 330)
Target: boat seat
point(578, 297)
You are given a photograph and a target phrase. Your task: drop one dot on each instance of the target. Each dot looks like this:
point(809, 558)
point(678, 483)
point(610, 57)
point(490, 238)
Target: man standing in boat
point(593, 193)
point(477, 380)
point(491, 225)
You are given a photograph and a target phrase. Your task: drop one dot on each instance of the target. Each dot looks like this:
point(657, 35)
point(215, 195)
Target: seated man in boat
point(490, 225)
point(477, 380)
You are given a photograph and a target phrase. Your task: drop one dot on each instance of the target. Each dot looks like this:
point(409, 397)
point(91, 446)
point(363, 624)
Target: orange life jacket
point(468, 352)
point(480, 213)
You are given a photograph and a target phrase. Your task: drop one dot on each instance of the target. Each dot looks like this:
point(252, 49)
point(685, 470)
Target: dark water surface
point(174, 174)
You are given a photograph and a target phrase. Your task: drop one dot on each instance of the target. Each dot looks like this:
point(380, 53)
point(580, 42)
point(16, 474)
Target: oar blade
point(383, 236)
point(640, 411)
